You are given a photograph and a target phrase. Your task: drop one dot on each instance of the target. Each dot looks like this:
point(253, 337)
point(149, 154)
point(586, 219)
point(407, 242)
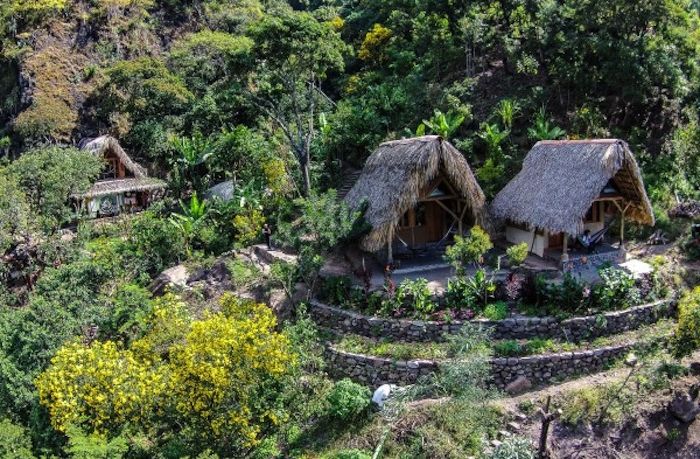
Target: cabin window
point(413, 217)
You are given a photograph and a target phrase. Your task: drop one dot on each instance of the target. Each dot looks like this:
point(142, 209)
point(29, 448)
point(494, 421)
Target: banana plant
point(543, 129)
point(193, 153)
point(442, 124)
point(190, 218)
point(493, 136)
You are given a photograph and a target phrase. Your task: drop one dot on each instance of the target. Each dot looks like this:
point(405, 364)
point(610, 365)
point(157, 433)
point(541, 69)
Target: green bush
point(686, 337)
point(414, 293)
point(348, 400)
point(508, 348)
point(496, 311)
point(336, 290)
point(243, 274)
point(616, 290)
point(517, 253)
point(469, 250)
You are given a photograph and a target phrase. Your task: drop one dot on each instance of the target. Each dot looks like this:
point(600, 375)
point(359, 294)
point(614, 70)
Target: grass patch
point(649, 337)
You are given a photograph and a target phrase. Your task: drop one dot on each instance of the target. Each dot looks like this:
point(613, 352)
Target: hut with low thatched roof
point(123, 185)
point(418, 192)
point(568, 186)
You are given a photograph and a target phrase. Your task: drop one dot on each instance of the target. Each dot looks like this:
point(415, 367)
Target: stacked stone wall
point(573, 329)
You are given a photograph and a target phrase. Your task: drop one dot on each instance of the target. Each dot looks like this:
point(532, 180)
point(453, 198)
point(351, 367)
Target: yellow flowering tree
point(372, 48)
point(216, 378)
point(102, 385)
point(220, 371)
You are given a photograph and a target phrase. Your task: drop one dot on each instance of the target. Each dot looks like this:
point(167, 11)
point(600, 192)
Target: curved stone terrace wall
point(573, 329)
point(540, 370)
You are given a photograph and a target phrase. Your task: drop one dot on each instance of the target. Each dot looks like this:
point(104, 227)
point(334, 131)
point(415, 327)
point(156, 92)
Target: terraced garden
point(595, 327)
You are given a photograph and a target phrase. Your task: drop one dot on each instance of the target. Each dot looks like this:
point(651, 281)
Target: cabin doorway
point(434, 220)
point(422, 225)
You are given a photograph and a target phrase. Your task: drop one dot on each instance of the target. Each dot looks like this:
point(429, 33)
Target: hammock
point(595, 238)
point(430, 245)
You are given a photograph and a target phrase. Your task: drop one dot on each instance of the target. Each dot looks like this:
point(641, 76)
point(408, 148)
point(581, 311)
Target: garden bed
point(572, 329)
point(539, 370)
point(501, 348)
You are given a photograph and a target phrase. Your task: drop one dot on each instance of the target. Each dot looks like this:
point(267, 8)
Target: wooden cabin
point(419, 193)
point(123, 185)
point(568, 186)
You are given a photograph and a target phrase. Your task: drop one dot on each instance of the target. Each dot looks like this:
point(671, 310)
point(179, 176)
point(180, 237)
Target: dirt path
point(650, 433)
point(616, 374)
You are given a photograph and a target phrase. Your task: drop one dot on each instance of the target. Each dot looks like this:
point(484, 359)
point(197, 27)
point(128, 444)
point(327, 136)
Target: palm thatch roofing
point(116, 186)
point(560, 179)
point(398, 172)
point(100, 146)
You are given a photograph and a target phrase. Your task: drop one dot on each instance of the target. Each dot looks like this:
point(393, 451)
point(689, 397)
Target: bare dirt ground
point(650, 432)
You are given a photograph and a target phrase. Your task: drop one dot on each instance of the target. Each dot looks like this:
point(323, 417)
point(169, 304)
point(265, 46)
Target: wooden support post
point(565, 249)
point(459, 211)
point(389, 248)
point(622, 222)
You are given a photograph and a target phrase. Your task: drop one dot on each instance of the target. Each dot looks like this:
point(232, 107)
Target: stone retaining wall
point(574, 329)
point(540, 370)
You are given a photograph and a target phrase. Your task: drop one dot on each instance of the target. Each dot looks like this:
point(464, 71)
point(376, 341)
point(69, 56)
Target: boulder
point(683, 408)
point(382, 394)
point(695, 368)
point(176, 276)
point(518, 386)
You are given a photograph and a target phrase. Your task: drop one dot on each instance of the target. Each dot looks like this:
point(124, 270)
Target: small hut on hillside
point(568, 186)
point(419, 193)
point(123, 185)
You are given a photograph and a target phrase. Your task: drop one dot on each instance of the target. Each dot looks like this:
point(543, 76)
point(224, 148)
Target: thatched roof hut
point(100, 146)
point(560, 180)
point(121, 175)
point(398, 175)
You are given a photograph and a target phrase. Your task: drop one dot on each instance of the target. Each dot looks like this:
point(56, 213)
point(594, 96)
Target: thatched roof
point(560, 179)
point(101, 145)
point(396, 174)
point(115, 186)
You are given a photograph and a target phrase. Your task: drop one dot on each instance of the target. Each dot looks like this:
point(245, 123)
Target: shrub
point(513, 448)
point(458, 295)
point(517, 253)
point(468, 250)
point(336, 289)
point(686, 337)
point(616, 290)
point(243, 274)
point(15, 441)
point(508, 348)
point(347, 400)
point(416, 293)
point(496, 311)
point(481, 288)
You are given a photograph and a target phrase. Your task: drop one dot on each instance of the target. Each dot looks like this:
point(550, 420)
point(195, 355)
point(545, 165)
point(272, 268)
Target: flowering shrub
point(212, 375)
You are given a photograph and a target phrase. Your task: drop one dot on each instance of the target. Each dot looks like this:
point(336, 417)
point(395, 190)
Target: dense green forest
point(285, 99)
